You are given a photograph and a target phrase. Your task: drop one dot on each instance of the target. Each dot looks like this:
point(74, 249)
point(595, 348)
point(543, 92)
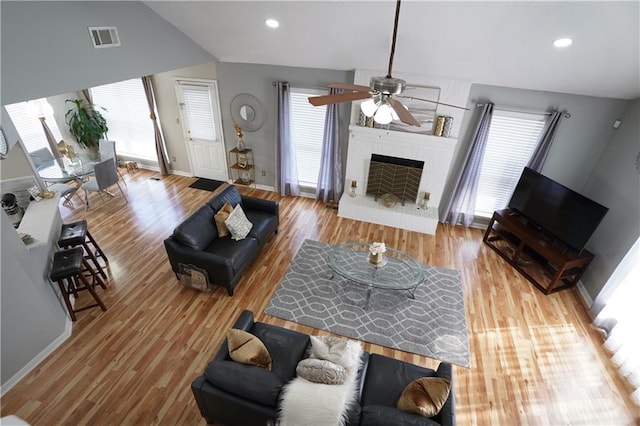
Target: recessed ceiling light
point(562, 42)
point(272, 23)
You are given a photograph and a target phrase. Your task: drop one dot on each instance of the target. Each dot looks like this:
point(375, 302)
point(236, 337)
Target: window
point(127, 115)
point(511, 141)
point(199, 111)
point(24, 116)
point(307, 132)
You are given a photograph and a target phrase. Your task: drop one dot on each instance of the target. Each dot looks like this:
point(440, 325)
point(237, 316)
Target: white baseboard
point(584, 295)
point(266, 187)
point(181, 173)
point(6, 387)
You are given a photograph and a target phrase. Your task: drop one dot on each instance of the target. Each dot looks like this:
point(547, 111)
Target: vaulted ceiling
point(497, 43)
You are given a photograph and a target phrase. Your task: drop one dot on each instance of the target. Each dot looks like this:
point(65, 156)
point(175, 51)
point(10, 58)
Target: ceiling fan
point(381, 104)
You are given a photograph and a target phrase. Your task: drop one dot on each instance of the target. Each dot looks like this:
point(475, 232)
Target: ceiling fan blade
point(403, 113)
point(347, 86)
point(433, 102)
point(337, 98)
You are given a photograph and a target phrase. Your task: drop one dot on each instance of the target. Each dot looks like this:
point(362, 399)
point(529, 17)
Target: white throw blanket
point(305, 403)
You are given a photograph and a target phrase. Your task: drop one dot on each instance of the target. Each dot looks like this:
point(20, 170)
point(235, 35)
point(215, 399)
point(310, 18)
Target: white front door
point(202, 127)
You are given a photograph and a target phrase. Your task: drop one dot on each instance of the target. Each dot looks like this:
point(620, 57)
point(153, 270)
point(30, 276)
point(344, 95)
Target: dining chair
point(67, 190)
point(41, 156)
point(105, 177)
point(107, 149)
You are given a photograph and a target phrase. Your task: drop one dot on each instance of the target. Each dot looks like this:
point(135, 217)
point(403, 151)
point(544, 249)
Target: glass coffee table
point(398, 271)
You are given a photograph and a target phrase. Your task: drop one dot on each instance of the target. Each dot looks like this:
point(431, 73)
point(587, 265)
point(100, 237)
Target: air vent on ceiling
point(104, 37)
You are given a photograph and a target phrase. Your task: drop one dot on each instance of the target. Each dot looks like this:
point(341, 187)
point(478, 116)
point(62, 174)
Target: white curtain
point(618, 316)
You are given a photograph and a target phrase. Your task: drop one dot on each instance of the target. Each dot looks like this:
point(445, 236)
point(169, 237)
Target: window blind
point(511, 141)
point(199, 112)
point(29, 127)
point(127, 115)
point(307, 131)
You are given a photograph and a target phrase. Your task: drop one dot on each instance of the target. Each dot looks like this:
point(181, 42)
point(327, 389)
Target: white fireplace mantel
point(436, 152)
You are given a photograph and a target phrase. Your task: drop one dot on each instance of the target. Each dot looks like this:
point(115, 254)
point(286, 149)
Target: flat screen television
point(565, 214)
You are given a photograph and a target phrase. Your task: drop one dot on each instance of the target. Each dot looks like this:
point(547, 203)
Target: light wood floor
point(535, 359)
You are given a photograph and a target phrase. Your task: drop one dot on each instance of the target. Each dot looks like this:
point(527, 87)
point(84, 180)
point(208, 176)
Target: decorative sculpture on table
point(239, 140)
point(376, 251)
point(66, 150)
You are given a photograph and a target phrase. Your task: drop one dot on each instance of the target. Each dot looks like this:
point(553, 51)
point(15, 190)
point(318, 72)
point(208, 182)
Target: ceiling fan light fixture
point(369, 107)
point(383, 114)
point(387, 85)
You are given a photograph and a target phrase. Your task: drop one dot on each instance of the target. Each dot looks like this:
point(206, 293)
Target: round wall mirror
point(247, 112)
point(4, 145)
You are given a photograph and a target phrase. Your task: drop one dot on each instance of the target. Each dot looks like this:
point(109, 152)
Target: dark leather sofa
point(237, 394)
point(195, 241)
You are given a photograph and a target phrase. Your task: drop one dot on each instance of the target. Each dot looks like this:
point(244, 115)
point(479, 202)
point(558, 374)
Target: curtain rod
point(303, 86)
point(531, 111)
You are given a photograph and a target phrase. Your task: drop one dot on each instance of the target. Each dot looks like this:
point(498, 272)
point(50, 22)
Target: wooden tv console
point(545, 262)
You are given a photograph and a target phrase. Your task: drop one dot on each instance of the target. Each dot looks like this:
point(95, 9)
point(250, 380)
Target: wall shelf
point(242, 166)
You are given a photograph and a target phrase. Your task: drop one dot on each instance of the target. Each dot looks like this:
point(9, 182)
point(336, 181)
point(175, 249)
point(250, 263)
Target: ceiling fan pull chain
point(393, 40)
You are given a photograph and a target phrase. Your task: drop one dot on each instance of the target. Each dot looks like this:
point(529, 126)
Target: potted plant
point(85, 122)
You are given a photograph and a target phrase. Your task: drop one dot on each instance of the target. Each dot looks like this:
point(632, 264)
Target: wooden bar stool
point(77, 233)
point(69, 266)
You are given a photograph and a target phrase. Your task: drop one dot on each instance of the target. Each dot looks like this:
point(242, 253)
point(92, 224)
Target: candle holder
point(425, 201)
point(354, 185)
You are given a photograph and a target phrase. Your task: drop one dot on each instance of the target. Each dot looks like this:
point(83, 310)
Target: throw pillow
point(321, 371)
point(425, 396)
point(246, 348)
point(333, 349)
point(220, 217)
point(238, 224)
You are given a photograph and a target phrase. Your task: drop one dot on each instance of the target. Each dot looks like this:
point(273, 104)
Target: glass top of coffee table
point(399, 272)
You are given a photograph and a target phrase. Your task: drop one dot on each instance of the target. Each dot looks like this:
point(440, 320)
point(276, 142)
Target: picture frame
point(424, 112)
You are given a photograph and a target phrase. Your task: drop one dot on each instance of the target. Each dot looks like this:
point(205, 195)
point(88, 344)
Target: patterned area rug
point(433, 324)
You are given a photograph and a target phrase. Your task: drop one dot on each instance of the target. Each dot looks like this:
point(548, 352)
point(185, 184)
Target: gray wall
point(582, 143)
point(578, 144)
point(32, 315)
point(615, 183)
point(257, 80)
point(46, 49)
